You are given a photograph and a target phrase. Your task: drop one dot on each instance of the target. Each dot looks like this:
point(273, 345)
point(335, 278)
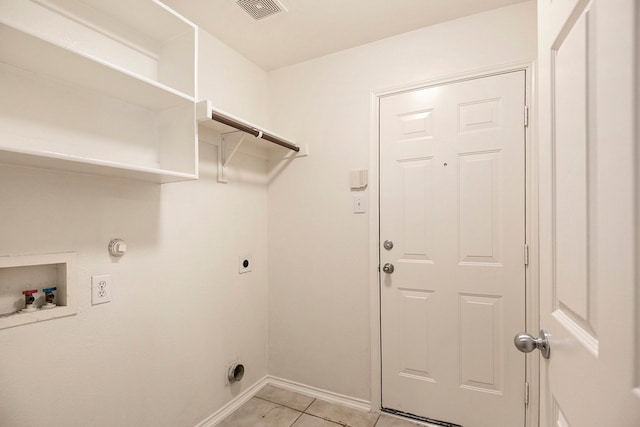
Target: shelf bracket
point(223, 158)
point(227, 124)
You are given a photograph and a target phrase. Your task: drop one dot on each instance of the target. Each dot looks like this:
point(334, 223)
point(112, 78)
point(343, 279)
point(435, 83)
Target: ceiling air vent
point(260, 9)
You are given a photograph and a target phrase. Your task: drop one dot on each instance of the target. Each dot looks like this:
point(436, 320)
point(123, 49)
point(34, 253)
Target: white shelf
point(78, 69)
point(142, 37)
point(89, 166)
point(98, 87)
point(232, 139)
point(205, 108)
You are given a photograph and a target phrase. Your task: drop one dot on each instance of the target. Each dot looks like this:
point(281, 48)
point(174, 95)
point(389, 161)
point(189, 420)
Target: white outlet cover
point(245, 264)
point(100, 289)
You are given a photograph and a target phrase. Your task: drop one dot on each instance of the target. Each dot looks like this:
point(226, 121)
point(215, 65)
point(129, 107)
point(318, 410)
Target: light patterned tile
point(387, 421)
point(341, 414)
point(293, 400)
point(260, 413)
point(310, 421)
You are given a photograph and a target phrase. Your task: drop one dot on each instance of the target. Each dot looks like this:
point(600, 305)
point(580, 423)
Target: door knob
point(526, 343)
point(388, 268)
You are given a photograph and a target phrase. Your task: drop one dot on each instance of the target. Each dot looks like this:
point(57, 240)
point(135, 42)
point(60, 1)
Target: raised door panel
point(417, 209)
point(481, 346)
point(572, 176)
point(479, 210)
point(416, 325)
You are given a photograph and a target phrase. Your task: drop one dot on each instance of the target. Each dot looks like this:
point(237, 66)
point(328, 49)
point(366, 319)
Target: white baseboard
point(241, 399)
point(329, 396)
point(237, 402)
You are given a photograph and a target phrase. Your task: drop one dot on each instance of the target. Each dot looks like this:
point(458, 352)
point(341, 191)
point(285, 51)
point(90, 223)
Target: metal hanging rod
point(253, 131)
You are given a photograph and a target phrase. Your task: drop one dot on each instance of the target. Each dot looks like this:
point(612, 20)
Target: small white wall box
point(358, 179)
point(28, 272)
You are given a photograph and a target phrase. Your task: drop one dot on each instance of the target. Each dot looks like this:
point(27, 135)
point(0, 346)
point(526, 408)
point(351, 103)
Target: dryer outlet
point(245, 263)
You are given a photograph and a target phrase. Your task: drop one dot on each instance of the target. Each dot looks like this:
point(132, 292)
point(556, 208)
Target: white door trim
point(531, 278)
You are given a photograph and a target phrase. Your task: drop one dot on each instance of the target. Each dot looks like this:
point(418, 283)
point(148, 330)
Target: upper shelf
point(76, 43)
point(80, 70)
point(99, 87)
point(224, 122)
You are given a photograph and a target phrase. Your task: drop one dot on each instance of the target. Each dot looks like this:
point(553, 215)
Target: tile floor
point(277, 407)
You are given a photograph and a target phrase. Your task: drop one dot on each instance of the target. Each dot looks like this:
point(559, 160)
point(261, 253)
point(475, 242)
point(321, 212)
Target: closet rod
point(253, 131)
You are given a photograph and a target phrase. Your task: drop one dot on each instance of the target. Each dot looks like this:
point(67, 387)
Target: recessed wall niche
point(20, 273)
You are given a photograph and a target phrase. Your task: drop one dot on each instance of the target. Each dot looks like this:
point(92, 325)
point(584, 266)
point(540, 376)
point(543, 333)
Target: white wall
point(180, 312)
point(231, 81)
point(319, 306)
point(156, 354)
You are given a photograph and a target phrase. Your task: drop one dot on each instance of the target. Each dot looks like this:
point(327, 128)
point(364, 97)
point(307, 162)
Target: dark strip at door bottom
point(419, 418)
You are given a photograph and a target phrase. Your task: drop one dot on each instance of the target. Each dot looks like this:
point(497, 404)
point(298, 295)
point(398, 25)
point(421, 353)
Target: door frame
point(532, 305)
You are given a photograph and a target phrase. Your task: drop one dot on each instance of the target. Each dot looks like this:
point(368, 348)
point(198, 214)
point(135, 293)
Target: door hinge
point(526, 254)
point(526, 393)
point(526, 116)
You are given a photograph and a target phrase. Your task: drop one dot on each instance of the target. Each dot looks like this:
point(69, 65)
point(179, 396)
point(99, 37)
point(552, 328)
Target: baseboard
point(329, 396)
point(241, 399)
point(234, 404)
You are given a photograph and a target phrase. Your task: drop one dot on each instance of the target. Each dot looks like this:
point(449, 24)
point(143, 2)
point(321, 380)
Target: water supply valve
point(49, 297)
point(29, 301)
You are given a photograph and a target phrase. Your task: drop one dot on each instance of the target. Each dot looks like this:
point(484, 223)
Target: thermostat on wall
point(358, 179)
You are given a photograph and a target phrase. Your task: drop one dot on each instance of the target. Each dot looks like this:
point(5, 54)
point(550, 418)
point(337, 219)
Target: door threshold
point(419, 418)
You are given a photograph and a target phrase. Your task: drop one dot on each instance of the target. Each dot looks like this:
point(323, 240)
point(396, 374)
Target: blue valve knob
point(49, 297)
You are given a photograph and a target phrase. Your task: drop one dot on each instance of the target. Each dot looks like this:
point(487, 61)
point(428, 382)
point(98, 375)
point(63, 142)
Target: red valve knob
point(29, 293)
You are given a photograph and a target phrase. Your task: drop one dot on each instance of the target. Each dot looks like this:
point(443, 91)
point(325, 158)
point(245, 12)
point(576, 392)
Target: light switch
point(359, 203)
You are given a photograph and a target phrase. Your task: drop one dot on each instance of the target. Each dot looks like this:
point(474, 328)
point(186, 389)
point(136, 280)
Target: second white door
point(452, 208)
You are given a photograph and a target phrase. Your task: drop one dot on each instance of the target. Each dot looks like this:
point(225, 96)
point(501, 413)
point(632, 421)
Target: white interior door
point(588, 234)
point(452, 202)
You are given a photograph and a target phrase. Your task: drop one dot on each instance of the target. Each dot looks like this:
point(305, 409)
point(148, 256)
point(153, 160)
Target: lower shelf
point(76, 164)
point(54, 125)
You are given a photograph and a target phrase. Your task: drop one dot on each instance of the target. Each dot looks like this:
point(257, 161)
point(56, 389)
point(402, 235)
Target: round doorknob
point(388, 268)
point(526, 343)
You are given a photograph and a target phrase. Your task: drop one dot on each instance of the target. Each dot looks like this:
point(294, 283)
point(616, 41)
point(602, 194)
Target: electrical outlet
point(100, 289)
point(245, 264)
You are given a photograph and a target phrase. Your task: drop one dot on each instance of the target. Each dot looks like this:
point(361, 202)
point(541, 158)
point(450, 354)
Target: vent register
point(260, 9)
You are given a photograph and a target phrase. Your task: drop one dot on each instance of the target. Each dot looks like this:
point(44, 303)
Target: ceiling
point(313, 28)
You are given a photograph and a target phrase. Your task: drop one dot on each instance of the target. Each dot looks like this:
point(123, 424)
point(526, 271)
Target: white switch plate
point(359, 203)
point(100, 289)
point(245, 264)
